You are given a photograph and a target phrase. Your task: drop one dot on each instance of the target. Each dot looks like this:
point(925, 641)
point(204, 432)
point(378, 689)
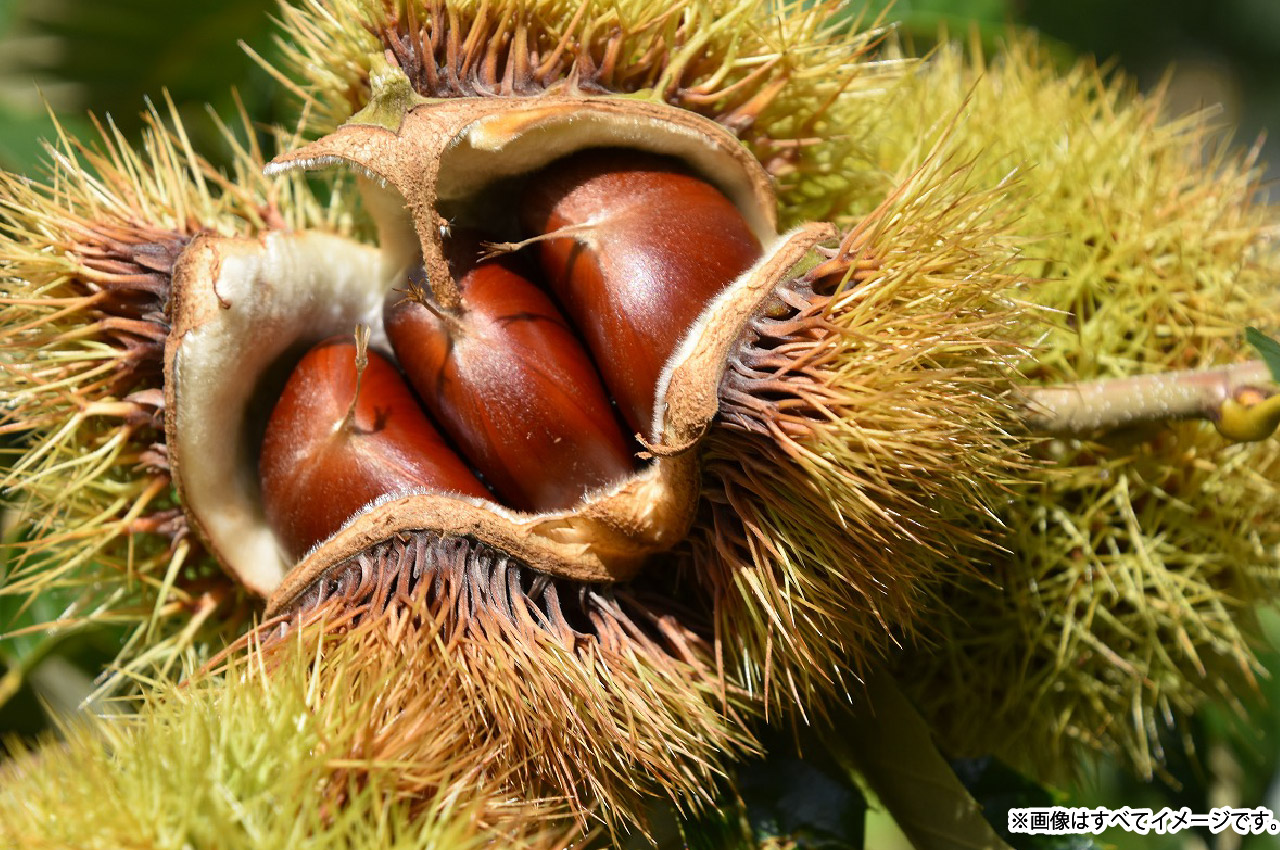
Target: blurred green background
point(81, 55)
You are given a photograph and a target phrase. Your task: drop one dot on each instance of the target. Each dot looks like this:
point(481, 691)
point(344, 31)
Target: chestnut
point(345, 431)
point(647, 247)
point(509, 382)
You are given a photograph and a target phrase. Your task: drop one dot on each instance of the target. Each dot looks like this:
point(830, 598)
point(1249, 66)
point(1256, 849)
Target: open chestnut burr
point(486, 349)
point(497, 365)
point(537, 568)
point(663, 395)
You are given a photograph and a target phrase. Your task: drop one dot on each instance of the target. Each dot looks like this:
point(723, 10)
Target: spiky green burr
point(1134, 558)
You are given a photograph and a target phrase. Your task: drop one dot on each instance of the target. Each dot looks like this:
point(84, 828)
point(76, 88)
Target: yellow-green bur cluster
point(840, 494)
point(1134, 560)
point(261, 755)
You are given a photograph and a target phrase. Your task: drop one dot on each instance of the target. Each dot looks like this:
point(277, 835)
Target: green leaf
point(999, 788)
point(886, 741)
point(797, 803)
point(1268, 348)
point(108, 57)
point(782, 799)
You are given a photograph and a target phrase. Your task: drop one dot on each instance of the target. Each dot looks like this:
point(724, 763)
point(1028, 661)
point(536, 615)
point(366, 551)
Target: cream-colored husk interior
point(523, 141)
point(240, 305)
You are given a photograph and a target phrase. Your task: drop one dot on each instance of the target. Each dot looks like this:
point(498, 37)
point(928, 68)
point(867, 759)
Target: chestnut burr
point(342, 435)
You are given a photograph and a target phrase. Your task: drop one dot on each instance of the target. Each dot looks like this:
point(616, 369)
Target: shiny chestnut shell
point(507, 379)
point(318, 469)
point(649, 246)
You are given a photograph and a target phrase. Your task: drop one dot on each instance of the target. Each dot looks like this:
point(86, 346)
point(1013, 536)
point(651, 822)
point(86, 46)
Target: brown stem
point(362, 362)
point(426, 299)
point(1222, 396)
point(581, 232)
point(442, 291)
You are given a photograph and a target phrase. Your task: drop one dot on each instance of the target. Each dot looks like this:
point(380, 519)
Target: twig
point(1241, 400)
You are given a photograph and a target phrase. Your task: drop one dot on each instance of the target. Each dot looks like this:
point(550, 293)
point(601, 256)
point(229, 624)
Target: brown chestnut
point(345, 431)
point(510, 383)
point(648, 246)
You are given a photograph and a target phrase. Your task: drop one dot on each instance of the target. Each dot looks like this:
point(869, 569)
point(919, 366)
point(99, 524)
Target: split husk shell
point(239, 310)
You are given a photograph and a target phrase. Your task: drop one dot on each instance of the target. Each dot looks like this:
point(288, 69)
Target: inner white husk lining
point(277, 292)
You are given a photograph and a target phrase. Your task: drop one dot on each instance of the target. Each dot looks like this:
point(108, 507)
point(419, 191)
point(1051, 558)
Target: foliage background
point(80, 55)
